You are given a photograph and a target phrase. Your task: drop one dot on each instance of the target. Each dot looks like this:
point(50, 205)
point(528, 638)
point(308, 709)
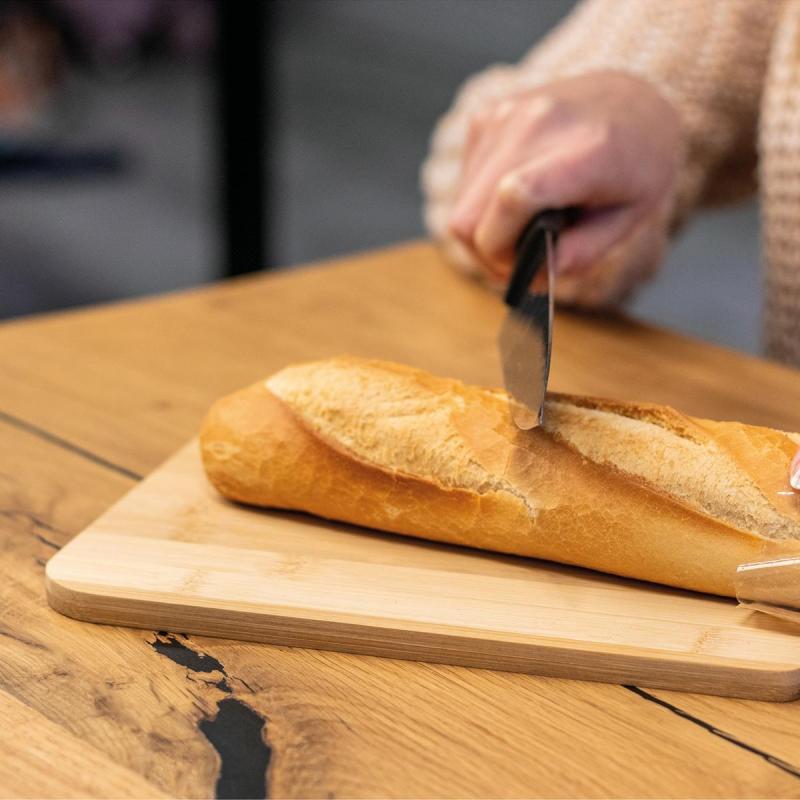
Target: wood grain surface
point(91, 400)
point(175, 554)
point(41, 759)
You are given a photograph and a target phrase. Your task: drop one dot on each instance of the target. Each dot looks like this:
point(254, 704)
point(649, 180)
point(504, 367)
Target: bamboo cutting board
point(174, 555)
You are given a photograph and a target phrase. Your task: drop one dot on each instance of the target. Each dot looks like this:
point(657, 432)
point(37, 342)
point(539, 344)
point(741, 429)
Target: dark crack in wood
point(65, 444)
point(236, 731)
point(169, 645)
point(714, 731)
point(34, 522)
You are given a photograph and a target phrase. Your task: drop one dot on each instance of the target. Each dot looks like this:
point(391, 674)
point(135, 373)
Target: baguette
point(633, 489)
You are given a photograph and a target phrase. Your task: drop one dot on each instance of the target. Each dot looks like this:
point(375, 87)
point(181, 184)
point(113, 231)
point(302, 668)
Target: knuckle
point(480, 117)
point(511, 191)
point(484, 244)
point(459, 230)
point(476, 125)
point(537, 184)
point(598, 137)
point(504, 109)
point(539, 108)
point(481, 239)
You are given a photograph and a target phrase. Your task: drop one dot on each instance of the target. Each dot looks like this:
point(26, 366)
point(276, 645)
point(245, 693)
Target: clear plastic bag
point(772, 584)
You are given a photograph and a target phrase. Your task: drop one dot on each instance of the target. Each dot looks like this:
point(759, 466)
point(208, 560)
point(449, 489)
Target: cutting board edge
point(775, 682)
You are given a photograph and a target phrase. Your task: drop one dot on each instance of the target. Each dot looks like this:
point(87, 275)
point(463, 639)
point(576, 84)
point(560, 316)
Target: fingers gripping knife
point(527, 332)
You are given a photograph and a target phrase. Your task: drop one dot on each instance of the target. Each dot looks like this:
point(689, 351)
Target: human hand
point(794, 472)
point(606, 142)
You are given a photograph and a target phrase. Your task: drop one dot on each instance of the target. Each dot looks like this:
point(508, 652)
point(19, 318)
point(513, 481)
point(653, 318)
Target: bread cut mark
point(662, 416)
point(493, 485)
point(390, 422)
point(698, 472)
point(390, 429)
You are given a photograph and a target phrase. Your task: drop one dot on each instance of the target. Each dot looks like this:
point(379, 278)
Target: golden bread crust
point(439, 460)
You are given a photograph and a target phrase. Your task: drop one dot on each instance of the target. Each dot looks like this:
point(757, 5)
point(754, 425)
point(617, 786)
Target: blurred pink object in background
point(114, 30)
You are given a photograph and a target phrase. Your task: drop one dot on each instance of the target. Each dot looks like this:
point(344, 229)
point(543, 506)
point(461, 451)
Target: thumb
point(794, 472)
point(598, 230)
point(613, 277)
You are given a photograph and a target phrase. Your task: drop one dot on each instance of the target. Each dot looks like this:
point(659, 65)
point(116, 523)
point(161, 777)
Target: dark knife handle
point(532, 249)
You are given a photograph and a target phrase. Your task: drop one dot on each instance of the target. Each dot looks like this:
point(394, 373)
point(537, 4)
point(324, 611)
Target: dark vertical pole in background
point(243, 32)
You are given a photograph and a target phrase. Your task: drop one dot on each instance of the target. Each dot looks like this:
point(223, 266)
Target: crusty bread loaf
point(633, 489)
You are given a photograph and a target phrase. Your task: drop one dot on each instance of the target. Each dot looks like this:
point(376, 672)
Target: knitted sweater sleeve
point(707, 57)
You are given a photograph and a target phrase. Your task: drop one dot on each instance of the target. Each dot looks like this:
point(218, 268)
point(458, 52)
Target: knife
point(526, 335)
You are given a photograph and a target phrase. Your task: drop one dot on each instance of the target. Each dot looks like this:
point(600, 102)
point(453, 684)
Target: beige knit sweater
point(731, 68)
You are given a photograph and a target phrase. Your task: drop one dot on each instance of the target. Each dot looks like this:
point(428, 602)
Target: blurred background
point(149, 145)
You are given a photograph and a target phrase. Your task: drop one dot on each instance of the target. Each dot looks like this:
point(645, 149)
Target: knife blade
point(526, 335)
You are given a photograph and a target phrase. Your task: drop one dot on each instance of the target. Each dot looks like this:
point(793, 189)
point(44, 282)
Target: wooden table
point(92, 400)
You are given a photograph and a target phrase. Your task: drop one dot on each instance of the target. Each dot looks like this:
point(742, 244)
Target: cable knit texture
point(779, 147)
point(727, 66)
